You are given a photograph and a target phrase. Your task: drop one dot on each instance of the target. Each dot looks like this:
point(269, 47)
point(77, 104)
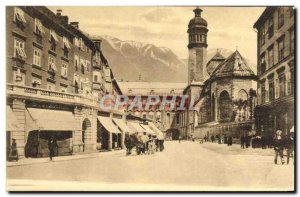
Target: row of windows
point(263, 34)
point(36, 82)
point(19, 52)
point(197, 38)
point(84, 65)
point(269, 54)
point(284, 86)
point(19, 17)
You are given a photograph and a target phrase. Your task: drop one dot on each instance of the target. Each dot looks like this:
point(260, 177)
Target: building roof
point(151, 88)
point(217, 57)
point(264, 16)
point(234, 65)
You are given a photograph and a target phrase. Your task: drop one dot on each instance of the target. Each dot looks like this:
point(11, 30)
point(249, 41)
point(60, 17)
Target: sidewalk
point(31, 161)
point(236, 149)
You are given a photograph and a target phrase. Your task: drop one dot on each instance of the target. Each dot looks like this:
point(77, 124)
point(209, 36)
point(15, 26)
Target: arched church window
point(225, 109)
point(213, 110)
point(243, 95)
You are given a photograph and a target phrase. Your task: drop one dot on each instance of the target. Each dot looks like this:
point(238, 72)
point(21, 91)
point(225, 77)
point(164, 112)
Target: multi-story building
point(165, 118)
point(51, 67)
point(276, 70)
point(103, 78)
point(224, 89)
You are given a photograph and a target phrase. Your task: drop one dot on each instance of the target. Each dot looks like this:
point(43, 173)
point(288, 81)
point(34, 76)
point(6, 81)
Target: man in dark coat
point(278, 146)
point(290, 146)
point(229, 141)
point(128, 144)
point(242, 141)
point(51, 146)
point(13, 155)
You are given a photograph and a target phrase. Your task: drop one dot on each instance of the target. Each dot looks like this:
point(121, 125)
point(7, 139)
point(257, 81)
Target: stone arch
point(242, 94)
point(173, 133)
point(86, 132)
point(241, 106)
point(225, 105)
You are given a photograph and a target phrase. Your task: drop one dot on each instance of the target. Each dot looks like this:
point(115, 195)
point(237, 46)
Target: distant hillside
point(131, 60)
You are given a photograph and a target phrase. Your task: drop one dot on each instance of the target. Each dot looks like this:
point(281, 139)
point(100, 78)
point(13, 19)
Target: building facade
point(224, 89)
point(51, 85)
point(166, 118)
point(276, 70)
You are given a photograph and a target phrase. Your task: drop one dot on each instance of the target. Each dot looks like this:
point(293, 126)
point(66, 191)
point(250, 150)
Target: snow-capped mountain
point(131, 60)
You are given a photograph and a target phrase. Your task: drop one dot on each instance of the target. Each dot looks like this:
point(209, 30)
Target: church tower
point(197, 30)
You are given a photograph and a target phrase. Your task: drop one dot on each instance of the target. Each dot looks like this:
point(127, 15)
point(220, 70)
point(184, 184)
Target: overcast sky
point(229, 27)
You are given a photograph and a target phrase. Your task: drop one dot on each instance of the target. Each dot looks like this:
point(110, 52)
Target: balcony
point(31, 93)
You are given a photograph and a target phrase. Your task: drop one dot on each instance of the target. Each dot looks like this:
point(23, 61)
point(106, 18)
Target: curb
point(32, 161)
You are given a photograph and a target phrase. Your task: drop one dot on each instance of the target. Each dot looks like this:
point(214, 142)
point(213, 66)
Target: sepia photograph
point(150, 98)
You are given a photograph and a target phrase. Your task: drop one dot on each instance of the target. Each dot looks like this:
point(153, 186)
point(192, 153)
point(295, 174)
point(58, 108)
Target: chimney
point(62, 19)
point(97, 42)
point(75, 24)
point(58, 12)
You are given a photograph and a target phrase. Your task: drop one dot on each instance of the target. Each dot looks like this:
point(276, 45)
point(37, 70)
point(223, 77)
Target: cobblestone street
point(182, 166)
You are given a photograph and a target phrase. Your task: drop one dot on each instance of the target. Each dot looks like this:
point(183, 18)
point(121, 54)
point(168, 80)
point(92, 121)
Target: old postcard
point(155, 98)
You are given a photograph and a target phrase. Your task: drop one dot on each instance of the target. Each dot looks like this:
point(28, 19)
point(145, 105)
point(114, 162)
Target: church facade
point(224, 88)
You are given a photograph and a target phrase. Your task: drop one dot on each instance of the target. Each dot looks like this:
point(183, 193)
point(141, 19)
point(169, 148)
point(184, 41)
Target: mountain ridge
point(137, 61)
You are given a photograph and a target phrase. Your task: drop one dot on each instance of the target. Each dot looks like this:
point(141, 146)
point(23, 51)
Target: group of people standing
point(282, 143)
point(143, 143)
point(221, 139)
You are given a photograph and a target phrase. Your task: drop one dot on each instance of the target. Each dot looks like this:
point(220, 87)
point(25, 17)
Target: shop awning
point(158, 132)
point(148, 129)
point(122, 125)
point(154, 128)
point(12, 123)
point(108, 124)
point(136, 127)
point(53, 120)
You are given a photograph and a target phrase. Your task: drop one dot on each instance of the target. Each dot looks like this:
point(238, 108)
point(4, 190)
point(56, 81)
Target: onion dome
point(197, 20)
point(197, 30)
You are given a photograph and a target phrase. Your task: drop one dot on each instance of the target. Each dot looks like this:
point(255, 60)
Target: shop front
point(278, 115)
point(12, 126)
point(123, 128)
point(43, 124)
point(110, 134)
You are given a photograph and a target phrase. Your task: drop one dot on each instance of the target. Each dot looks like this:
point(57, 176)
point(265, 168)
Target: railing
point(31, 93)
point(37, 93)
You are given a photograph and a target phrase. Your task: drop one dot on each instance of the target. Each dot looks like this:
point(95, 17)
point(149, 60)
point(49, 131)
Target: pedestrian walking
point(212, 138)
point(13, 155)
point(229, 141)
point(278, 146)
point(242, 141)
point(290, 146)
point(128, 143)
point(51, 146)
